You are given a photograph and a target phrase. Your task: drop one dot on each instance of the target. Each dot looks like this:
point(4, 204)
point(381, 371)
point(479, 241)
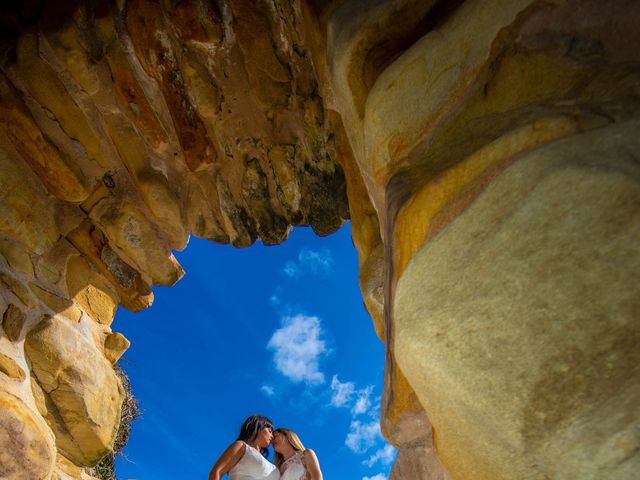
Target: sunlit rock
point(81, 391)
point(28, 448)
point(115, 344)
point(91, 290)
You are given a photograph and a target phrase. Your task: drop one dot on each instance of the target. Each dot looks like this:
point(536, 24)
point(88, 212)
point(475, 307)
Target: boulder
point(517, 326)
point(84, 392)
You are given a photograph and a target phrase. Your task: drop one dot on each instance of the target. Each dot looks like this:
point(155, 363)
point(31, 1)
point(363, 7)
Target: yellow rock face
point(496, 347)
point(75, 377)
point(17, 258)
point(26, 214)
point(29, 449)
point(91, 291)
point(58, 304)
point(12, 322)
point(11, 369)
point(115, 344)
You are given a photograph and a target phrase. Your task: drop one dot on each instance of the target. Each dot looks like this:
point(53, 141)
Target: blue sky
point(275, 330)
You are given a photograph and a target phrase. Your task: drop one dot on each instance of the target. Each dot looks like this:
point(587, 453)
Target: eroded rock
point(534, 252)
point(130, 125)
point(10, 367)
point(28, 449)
point(83, 389)
point(12, 322)
point(115, 344)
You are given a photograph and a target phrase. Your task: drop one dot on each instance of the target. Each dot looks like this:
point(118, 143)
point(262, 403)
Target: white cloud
point(380, 476)
point(267, 390)
point(309, 261)
point(363, 402)
point(385, 455)
point(297, 348)
point(316, 261)
point(291, 269)
point(362, 436)
point(342, 392)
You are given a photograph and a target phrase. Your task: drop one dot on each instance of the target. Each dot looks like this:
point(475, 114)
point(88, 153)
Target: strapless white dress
point(253, 466)
point(293, 468)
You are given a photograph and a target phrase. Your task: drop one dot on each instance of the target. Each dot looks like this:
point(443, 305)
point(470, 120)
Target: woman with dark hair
point(293, 460)
point(245, 459)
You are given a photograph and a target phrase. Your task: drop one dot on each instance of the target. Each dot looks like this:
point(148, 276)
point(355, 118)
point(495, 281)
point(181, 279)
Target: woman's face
point(264, 437)
point(278, 441)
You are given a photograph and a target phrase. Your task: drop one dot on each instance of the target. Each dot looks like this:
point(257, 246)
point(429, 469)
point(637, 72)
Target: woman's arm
point(312, 464)
point(227, 460)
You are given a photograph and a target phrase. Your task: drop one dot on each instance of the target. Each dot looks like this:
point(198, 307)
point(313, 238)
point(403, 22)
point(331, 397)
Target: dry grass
point(105, 468)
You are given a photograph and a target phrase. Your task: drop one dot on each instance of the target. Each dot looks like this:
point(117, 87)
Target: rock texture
point(28, 445)
point(125, 127)
point(485, 151)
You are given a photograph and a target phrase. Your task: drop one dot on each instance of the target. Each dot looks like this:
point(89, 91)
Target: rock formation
point(486, 152)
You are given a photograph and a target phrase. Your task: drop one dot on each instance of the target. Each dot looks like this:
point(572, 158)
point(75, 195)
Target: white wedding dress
point(293, 468)
point(253, 466)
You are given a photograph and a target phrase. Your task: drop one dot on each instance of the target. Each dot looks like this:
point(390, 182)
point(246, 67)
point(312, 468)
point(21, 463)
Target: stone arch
point(484, 150)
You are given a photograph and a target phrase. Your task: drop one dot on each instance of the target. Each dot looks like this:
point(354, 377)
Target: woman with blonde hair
point(292, 459)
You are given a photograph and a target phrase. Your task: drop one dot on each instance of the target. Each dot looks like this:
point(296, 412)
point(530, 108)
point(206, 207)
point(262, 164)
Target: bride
point(245, 458)
point(292, 459)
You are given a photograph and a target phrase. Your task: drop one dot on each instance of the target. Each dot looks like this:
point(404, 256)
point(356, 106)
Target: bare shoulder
point(237, 446)
point(310, 454)
point(228, 459)
point(236, 450)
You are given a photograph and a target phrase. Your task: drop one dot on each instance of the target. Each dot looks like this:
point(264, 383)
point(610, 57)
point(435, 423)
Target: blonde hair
point(293, 440)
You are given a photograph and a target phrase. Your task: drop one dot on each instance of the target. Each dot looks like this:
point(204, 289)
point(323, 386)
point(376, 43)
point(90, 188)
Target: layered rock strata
point(125, 128)
point(488, 150)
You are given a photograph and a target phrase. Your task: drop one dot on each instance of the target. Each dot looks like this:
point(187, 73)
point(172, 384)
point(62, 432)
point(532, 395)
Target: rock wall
point(487, 150)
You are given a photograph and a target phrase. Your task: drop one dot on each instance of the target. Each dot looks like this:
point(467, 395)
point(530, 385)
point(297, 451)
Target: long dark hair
point(251, 427)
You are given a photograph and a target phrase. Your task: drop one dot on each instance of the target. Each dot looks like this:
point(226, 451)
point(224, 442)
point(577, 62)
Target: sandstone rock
point(130, 231)
point(81, 385)
point(371, 281)
point(40, 398)
point(418, 461)
point(20, 199)
point(27, 446)
point(529, 331)
point(133, 288)
point(9, 367)
point(440, 68)
point(241, 227)
point(443, 197)
point(282, 161)
point(46, 88)
point(272, 227)
point(21, 292)
point(90, 290)
point(202, 211)
point(56, 303)
point(17, 258)
point(12, 322)
point(60, 175)
point(115, 344)
point(67, 470)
